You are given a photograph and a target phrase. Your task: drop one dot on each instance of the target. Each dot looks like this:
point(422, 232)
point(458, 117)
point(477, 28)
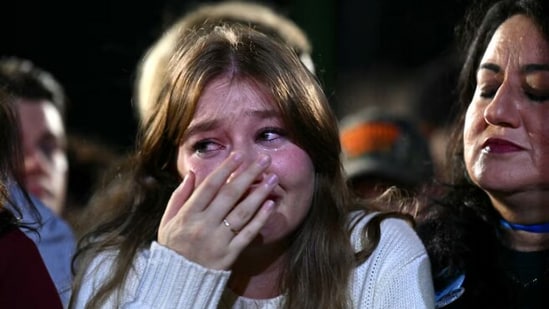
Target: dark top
point(24, 279)
point(520, 280)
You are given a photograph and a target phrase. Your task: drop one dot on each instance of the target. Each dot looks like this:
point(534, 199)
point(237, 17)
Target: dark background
point(92, 47)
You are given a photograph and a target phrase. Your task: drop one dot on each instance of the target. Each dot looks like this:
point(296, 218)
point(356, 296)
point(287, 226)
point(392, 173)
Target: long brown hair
point(321, 256)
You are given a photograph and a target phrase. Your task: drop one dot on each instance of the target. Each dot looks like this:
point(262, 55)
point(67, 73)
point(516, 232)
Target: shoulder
point(395, 233)
point(397, 273)
point(156, 276)
point(20, 256)
point(99, 268)
point(22, 266)
point(18, 242)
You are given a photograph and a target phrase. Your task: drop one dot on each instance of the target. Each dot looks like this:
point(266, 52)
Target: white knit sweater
point(397, 275)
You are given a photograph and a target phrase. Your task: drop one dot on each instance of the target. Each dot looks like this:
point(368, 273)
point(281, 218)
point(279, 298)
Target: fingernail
point(237, 157)
point(264, 161)
point(272, 180)
point(269, 205)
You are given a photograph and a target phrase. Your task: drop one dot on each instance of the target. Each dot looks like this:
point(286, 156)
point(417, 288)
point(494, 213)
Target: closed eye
point(487, 93)
point(536, 97)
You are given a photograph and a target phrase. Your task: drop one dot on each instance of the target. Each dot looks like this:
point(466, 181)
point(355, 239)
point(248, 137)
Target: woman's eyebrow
point(207, 125)
point(490, 66)
point(535, 67)
point(200, 127)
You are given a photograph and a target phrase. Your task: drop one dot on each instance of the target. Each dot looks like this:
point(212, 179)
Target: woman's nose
point(34, 162)
point(503, 109)
point(250, 157)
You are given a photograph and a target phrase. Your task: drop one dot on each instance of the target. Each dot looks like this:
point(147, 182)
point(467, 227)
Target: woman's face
point(506, 135)
point(44, 152)
point(237, 115)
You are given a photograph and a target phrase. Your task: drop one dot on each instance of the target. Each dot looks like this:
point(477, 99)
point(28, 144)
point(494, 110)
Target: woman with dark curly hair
point(488, 236)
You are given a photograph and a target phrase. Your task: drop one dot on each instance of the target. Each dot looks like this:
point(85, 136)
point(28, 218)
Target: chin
point(273, 231)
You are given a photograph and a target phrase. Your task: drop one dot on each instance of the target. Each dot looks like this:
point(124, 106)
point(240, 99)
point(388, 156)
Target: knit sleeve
point(397, 274)
point(160, 278)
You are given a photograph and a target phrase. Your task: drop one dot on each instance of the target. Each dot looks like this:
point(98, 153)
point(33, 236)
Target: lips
point(274, 196)
point(497, 145)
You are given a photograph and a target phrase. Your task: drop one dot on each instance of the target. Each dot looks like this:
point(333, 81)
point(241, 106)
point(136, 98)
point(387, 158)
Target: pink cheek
point(201, 173)
point(202, 168)
point(291, 163)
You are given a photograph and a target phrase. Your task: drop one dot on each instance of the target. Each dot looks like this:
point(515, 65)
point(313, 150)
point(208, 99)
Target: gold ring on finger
point(228, 225)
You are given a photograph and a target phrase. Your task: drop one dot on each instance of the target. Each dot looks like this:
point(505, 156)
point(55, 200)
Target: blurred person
point(488, 235)
point(236, 197)
point(435, 106)
point(382, 150)
point(152, 68)
point(25, 281)
point(40, 104)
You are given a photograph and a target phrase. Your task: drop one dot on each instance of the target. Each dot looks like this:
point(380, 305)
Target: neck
point(525, 241)
point(257, 272)
point(539, 228)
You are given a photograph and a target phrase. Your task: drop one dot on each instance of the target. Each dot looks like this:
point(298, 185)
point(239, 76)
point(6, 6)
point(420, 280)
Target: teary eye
point(205, 146)
point(270, 134)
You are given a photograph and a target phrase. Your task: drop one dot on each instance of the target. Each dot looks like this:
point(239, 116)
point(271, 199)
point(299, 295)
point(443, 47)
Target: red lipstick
point(497, 145)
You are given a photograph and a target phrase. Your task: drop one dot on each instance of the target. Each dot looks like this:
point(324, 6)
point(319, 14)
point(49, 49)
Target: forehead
point(39, 115)
point(228, 95)
point(520, 39)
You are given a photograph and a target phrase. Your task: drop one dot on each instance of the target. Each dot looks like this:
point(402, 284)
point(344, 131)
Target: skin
point(44, 149)
point(506, 139)
point(239, 165)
